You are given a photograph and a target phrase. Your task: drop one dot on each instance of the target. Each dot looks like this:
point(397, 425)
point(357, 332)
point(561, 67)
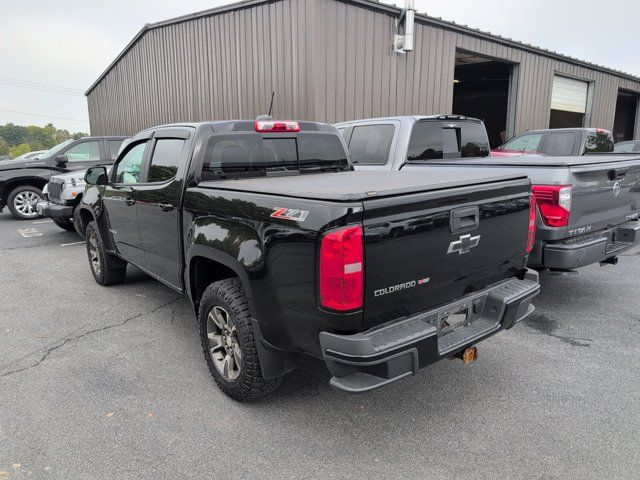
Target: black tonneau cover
point(534, 160)
point(355, 186)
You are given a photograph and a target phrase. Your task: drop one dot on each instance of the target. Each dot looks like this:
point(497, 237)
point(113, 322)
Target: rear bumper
point(592, 248)
point(53, 210)
point(368, 360)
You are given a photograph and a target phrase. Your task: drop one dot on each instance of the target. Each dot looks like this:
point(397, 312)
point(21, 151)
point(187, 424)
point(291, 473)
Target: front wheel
point(22, 202)
point(107, 269)
point(229, 343)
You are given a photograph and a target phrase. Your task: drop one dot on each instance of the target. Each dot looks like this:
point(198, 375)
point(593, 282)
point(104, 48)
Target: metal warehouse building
point(336, 60)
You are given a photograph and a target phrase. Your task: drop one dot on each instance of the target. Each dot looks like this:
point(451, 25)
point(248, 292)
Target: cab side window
point(371, 144)
point(524, 143)
point(84, 152)
point(128, 168)
point(165, 160)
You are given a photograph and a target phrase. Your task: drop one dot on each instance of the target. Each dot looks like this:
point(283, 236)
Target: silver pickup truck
point(588, 206)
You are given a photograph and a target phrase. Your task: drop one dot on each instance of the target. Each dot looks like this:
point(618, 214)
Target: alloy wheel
point(224, 347)
point(94, 254)
point(25, 203)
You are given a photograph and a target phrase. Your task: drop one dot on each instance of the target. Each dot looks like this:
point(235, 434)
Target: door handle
point(129, 201)
point(165, 207)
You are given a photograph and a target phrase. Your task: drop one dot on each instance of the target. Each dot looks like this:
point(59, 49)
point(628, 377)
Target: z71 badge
point(290, 214)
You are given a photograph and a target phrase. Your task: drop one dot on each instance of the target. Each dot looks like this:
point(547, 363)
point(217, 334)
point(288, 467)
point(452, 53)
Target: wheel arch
point(206, 265)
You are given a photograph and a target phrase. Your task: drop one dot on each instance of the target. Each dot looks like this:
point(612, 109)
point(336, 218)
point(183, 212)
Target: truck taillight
point(531, 235)
point(554, 202)
point(342, 269)
point(264, 126)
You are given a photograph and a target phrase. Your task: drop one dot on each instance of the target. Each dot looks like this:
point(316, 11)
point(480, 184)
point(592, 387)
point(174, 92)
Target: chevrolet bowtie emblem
point(464, 244)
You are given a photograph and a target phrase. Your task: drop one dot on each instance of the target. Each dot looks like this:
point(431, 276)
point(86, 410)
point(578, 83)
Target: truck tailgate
point(426, 249)
point(604, 194)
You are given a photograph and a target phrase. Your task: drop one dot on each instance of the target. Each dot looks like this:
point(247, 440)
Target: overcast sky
point(66, 44)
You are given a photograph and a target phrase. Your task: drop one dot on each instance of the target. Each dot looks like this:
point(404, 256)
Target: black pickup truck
point(22, 180)
point(284, 250)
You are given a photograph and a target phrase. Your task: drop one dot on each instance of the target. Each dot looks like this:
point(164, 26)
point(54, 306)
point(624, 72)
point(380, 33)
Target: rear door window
point(524, 143)
point(165, 160)
point(559, 144)
point(371, 144)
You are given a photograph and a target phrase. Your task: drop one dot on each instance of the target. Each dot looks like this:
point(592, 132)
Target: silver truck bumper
point(54, 210)
point(588, 249)
point(368, 360)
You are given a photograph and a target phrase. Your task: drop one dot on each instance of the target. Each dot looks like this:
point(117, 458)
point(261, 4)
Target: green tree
point(19, 150)
point(39, 138)
point(4, 147)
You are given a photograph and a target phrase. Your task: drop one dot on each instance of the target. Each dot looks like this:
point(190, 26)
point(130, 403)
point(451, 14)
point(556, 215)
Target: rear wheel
point(22, 202)
point(229, 344)
point(107, 269)
point(64, 223)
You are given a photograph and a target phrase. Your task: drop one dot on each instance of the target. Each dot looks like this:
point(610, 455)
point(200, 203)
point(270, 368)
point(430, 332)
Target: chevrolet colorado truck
point(281, 248)
point(22, 180)
point(588, 206)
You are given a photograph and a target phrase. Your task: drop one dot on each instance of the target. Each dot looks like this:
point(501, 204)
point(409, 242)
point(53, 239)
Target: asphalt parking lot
point(111, 383)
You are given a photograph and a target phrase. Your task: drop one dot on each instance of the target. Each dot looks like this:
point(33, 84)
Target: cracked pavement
point(111, 383)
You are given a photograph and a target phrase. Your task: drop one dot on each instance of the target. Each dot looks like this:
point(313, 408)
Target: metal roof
point(381, 8)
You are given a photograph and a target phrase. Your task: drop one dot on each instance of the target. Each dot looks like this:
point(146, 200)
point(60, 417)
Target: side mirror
point(62, 160)
point(96, 176)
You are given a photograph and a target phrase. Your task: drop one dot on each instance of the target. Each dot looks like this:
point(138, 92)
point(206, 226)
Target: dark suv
point(22, 180)
point(559, 142)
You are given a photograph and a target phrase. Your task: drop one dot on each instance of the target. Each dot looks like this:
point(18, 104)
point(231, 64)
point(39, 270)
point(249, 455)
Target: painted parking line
point(69, 244)
point(29, 232)
point(42, 221)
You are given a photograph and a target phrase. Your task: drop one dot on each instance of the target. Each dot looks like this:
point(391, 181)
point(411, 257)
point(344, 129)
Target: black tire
point(64, 223)
point(107, 269)
point(77, 222)
point(28, 191)
point(249, 384)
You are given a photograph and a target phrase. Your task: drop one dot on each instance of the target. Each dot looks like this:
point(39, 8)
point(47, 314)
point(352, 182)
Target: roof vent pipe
point(403, 41)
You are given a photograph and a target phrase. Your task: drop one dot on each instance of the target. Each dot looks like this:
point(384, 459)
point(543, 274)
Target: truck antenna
point(273, 94)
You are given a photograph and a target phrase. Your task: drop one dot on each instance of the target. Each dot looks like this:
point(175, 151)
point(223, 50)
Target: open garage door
point(481, 89)
point(625, 122)
point(568, 102)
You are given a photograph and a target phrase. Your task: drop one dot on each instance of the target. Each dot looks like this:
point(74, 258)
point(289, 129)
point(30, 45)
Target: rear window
point(559, 144)
point(371, 144)
point(599, 142)
point(250, 155)
point(432, 140)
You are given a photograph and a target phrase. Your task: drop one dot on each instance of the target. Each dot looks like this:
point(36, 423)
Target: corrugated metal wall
point(218, 67)
point(327, 60)
point(369, 79)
